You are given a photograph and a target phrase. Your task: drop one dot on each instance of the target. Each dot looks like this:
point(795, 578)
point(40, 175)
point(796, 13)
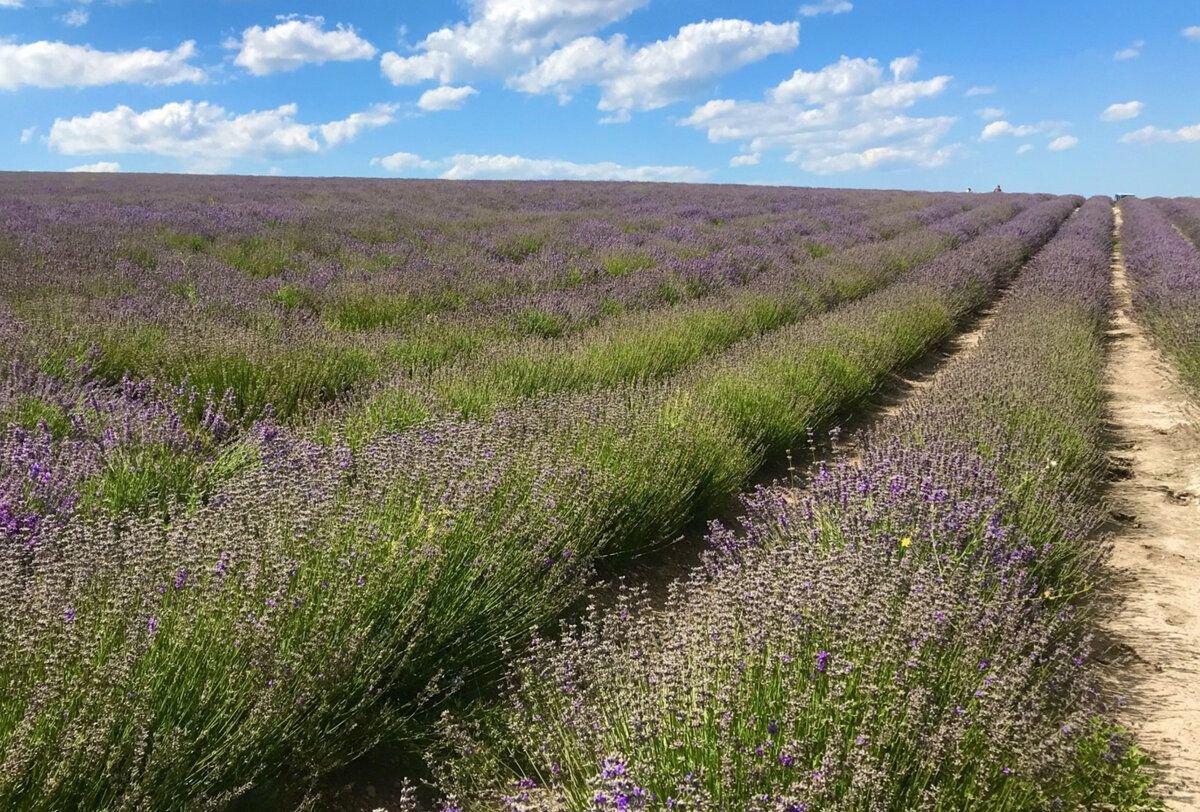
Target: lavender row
point(70, 441)
point(904, 634)
point(47, 473)
point(1164, 270)
point(181, 313)
point(421, 257)
point(659, 343)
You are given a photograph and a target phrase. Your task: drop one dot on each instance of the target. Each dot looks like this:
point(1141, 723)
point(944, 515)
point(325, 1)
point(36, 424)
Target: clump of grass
point(365, 310)
point(373, 263)
point(519, 247)
point(534, 322)
point(140, 254)
point(30, 412)
point(188, 243)
point(142, 479)
point(295, 297)
point(434, 347)
point(622, 263)
point(260, 257)
point(186, 290)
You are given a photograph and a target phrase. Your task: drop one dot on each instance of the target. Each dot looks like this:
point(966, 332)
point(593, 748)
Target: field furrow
point(1152, 634)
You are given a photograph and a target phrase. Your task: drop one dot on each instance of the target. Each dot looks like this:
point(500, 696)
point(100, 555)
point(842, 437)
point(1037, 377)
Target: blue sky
point(1095, 97)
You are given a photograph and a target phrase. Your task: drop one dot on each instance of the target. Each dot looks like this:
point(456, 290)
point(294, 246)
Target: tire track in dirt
point(1152, 634)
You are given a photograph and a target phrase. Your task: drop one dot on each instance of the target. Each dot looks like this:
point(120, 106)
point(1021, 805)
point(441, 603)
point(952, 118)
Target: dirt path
point(1154, 630)
point(913, 380)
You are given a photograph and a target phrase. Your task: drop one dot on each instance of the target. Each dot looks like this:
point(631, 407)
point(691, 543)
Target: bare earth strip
point(1154, 630)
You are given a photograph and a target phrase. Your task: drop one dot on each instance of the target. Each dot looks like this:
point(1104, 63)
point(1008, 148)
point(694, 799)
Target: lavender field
point(537, 496)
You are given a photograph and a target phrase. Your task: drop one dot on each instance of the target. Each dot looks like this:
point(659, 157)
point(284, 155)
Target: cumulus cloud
point(296, 42)
point(980, 90)
point(347, 129)
point(1122, 111)
point(658, 74)
point(446, 97)
point(990, 113)
point(1149, 135)
point(27, 134)
point(847, 116)
point(203, 136)
point(518, 167)
point(56, 64)
point(996, 129)
point(1192, 32)
point(502, 37)
point(11, 3)
point(826, 7)
point(99, 166)
point(76, 18)
point(1002, 128)
point(1132, 52)
point(1024, 149)
point(399, 161)
point(1063, 142)
point(745, 160)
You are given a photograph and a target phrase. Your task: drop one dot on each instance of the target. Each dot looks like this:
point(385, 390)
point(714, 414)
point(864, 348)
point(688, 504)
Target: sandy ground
point(1153, 633)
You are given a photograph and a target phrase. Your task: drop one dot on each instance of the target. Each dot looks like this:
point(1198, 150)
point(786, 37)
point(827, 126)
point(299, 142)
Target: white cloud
point(1062, 143)
point(990, 113)
point(826, 7)
point(1024, 149)
point(11, 3)
point(502, 37)
point(202, 135)
point(658, 74)
point(347, 129)
point(980, 90)
point(1192, 32)
point(399, 161)
point(1122, 111)
point(99, 166)
point(446, 97)
point(1132, 52)
point(27, 134)
point(57, 64)
point(1147, 135)
point(296, 42)
point(904, 67)
point(846, 116)
point(1001, 128)
point(745, 160)
point(76, 18)
point(518, 167)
